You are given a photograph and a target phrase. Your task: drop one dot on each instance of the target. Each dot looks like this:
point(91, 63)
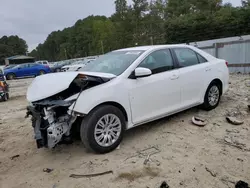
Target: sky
point(33, 20)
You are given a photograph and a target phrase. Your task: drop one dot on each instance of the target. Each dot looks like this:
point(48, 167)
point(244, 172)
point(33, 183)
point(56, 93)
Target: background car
point(56, 67)
point(4, 87)
point(26, 70)
point(76, 65)
point(9, 67)
point(44, 62)
point(2, 77)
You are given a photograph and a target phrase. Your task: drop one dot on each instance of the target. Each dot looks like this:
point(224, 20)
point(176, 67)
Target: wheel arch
point(9, 73)
point(219, 82)
point(216, 80)
point(115, 104)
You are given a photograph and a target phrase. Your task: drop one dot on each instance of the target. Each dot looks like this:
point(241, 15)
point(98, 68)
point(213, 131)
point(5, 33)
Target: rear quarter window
point(201, 59)
point(186, 57)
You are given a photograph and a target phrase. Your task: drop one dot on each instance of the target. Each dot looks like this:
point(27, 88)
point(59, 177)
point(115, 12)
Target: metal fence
point(236, 52)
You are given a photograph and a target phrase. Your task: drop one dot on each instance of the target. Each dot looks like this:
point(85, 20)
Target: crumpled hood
point(48, 85)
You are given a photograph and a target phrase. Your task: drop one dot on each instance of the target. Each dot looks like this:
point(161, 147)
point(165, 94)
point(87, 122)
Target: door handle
point(208, 69)
point(174, 77)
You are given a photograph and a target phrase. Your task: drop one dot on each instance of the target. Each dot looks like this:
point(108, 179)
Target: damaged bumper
point(51, 118)
point(49, 129)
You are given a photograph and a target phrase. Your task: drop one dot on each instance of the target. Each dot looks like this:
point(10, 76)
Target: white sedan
point(123, 89)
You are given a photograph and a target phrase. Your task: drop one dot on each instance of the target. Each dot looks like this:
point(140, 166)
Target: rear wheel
point(10, 76)
point(41, 72)
point(212, 97)
point(102, 130)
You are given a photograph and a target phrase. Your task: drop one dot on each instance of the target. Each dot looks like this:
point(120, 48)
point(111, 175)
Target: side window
point(201, 59)
point(24, 66)
point(158, 61)
point(186, 57)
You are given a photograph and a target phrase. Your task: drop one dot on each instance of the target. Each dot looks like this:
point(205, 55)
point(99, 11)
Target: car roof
point(145, 48)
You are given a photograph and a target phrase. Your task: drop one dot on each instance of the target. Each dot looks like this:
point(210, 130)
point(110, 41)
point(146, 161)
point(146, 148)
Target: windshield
point(114, 62)
point(15, 67)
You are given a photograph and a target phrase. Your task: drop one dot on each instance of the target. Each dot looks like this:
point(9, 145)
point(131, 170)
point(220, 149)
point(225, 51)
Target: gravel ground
point(183, 155)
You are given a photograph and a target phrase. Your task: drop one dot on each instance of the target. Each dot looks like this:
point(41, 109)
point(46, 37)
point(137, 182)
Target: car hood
point(48, 85)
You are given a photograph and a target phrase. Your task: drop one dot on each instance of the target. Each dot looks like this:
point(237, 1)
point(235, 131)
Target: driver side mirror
point(141, 72)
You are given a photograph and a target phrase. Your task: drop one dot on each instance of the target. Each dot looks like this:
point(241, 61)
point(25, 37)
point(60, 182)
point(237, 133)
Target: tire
point(210, 104)
point(57, 70)
point(90, 124)
point(10, 76)
point(41, 72)
point(5, 98)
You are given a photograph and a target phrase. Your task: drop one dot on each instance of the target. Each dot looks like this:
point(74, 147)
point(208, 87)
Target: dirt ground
point(182, 154)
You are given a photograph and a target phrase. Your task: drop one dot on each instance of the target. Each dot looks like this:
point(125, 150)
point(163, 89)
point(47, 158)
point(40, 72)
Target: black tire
point(10, 76)
point(57, 70)
point(207, 105)
point(5, 98)
point(8, 96)
point(88, 127)
point(41, 72)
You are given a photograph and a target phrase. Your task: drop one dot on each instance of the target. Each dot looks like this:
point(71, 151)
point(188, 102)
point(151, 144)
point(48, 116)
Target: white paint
point(144, 99)
point(142, 72)
point(149, 98)
point(50, 84)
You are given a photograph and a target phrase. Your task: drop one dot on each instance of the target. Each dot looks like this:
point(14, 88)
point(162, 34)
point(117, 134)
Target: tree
point(121, 8)
point(183, 7)
point(245, 3)
point(144, 23)
point(10, 46)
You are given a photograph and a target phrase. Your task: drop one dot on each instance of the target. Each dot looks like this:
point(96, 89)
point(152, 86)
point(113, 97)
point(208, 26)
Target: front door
point(155, 96)
point(23, 70)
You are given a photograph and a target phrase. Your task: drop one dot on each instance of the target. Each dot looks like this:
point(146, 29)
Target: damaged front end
point(51, 118)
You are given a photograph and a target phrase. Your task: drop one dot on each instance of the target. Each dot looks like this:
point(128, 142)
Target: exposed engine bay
point(51, 119)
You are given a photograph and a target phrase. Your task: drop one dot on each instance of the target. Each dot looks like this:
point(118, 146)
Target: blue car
point(26, 70)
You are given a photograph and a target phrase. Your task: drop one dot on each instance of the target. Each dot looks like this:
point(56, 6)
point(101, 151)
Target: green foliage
point(145, 23)
point(10, 46)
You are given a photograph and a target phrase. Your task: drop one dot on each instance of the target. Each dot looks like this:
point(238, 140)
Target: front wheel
point(10, 76)
point(212, 97)
point(102, 130)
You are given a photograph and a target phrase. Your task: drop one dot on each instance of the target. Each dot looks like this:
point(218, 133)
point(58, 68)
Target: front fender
point(95, 96)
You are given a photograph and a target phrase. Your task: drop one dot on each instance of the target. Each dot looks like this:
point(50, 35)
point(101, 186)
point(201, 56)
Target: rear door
point(33, 69)
point(194, 70)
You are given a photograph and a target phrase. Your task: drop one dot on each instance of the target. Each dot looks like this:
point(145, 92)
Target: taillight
point(226, 63)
